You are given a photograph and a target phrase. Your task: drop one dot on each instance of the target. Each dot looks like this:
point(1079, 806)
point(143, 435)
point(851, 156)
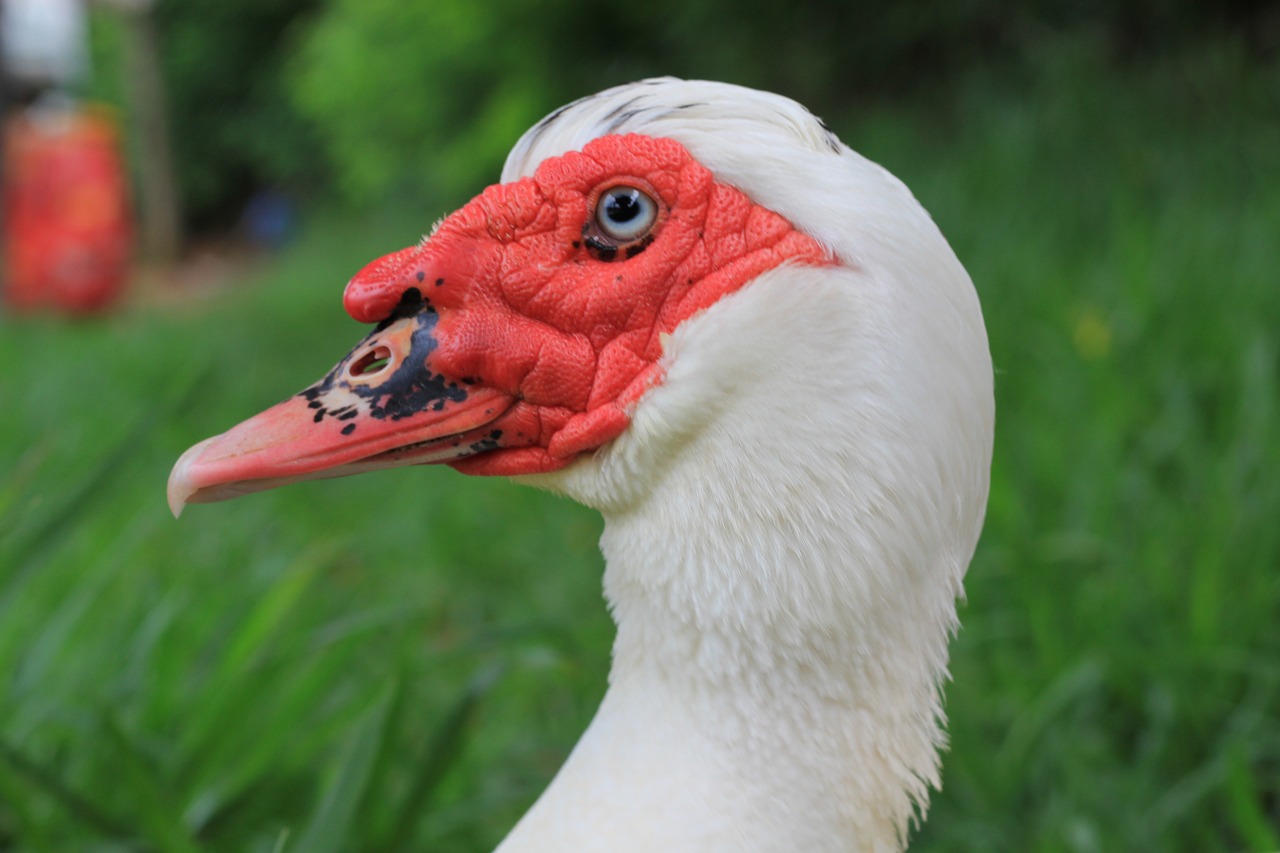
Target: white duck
point(690, 306)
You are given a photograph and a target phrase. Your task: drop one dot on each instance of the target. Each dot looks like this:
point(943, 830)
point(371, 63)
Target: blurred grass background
point(402, 660)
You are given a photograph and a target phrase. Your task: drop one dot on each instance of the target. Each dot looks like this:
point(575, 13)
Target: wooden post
point(160, 223)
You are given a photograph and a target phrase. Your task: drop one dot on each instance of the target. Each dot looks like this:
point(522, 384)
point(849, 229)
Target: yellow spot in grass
point(1092, 335)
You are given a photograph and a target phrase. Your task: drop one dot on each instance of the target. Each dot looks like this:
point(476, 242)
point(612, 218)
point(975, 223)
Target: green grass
point(401, 661)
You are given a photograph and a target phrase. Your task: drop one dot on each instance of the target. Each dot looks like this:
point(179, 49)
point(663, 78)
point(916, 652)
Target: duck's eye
point(625, 214)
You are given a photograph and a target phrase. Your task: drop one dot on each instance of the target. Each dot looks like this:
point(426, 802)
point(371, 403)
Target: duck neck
point(750, 705)
point(783, 617)
point(803, 680)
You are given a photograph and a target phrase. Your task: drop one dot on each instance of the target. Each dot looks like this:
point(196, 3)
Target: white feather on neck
point(788, 520)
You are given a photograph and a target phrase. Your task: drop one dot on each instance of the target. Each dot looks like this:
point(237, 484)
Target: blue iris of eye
point(625, 213)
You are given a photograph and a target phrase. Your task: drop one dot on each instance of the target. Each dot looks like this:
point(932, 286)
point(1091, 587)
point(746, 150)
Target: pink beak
point(382, 406)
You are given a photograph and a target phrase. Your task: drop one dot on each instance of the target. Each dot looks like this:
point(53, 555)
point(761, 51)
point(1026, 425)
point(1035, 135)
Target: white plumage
point(788, 518)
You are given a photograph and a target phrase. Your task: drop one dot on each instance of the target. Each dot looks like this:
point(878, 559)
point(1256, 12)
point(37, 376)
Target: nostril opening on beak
point(370, 363)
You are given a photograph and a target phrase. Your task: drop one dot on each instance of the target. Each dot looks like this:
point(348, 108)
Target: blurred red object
point(67, 229)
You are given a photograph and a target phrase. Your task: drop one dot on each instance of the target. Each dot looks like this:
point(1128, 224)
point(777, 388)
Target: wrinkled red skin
point(527, 307)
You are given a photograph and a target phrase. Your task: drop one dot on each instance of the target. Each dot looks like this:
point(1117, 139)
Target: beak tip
point(182, 485)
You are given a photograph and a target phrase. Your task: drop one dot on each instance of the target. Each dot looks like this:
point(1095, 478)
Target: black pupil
point(622, 206)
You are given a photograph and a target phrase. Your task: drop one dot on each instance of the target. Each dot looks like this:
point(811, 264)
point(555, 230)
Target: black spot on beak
point(411, 388)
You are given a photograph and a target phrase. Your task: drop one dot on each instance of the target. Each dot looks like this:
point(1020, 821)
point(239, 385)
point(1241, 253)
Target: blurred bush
point(430, 95)
point(425, 96)
point(365, 98)
point(234, 128)
point(233, 125)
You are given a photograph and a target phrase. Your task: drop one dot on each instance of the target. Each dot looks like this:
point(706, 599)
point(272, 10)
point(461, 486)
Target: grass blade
point(155, 810)
point(27, 550)
point(440, 754)
point(230, 687)
point(73, 803)
point(332, 819)
point(1246, 804)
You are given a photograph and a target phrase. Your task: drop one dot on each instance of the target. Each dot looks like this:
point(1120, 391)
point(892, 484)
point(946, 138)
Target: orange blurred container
point(67, 229)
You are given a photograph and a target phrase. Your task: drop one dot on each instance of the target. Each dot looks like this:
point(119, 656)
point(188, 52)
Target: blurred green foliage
point(361, 99)
point(422, 96)
point(465, 83)
point(233, 126)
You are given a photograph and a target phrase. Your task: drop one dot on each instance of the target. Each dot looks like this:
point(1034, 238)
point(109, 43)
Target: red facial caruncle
point(521, 333)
